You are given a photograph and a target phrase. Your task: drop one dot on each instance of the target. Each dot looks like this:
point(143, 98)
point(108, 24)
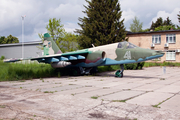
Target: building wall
point(15, 50)
point(144, 40)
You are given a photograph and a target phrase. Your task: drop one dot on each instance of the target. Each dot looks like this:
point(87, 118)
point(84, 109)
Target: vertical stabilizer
point(50, 47)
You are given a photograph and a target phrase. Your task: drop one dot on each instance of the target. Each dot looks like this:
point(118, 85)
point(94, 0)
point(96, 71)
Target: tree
point(178, 17)
point(160, 23)
point(102, 24)
point(65, 41)
point(69, 42)
point(178, 20)
point(136, 26)
point(55, 29)
point(2, 38)
point(8, 40)
point(165, 27)
point(168, 22)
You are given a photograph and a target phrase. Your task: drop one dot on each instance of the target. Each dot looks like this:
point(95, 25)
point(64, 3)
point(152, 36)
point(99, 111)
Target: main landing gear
point(82, 71)
point(119, 73)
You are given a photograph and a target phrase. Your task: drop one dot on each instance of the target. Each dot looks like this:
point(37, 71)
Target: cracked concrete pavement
point(140, 94)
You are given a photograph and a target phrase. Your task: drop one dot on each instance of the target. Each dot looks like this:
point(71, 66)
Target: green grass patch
point(170, 64)
point(118, 100)
point(25, 71)
point(48, 92)
point(2, 106)
point(156, 106)
point(94, 97)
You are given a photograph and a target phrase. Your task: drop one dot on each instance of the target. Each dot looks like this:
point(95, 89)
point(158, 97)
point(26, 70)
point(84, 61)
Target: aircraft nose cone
point(158, 53)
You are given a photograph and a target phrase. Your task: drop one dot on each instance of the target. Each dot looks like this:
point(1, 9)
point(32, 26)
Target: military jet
point(82, 61)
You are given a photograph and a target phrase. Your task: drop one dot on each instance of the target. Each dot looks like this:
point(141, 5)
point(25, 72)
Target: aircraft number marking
point(127, 55)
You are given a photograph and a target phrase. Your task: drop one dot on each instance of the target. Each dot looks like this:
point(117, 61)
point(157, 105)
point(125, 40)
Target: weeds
point(2, 106)
point(94, 97)
point(171, 64)
point(48, 92)
point(19, 71)
point(118, 100)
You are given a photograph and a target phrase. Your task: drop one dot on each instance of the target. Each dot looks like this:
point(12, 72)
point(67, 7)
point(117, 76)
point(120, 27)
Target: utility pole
point(23, 16)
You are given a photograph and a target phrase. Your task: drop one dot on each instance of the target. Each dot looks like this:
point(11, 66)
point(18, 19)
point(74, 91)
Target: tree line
point(159, 25)
point(9, 39)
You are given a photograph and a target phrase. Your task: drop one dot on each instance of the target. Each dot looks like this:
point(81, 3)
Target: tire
point(119, 73)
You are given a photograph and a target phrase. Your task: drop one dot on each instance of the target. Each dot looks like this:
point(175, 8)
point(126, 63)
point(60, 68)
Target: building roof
point(150, 32)
point(20, 44)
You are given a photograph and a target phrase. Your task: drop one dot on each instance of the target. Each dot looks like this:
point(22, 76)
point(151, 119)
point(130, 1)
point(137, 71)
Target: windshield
point(130, 45)
point(126, 45)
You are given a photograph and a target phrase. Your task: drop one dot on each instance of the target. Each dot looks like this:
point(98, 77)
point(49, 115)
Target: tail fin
point(50, 47)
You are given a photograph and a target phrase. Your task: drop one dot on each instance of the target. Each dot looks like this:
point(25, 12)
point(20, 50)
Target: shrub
point(171, 64)
point(2, 58)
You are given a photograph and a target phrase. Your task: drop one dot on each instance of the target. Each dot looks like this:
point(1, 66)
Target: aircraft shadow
point(128, 76)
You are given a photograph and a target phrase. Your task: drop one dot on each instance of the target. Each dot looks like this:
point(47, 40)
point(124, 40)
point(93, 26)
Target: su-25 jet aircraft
point(82, 61)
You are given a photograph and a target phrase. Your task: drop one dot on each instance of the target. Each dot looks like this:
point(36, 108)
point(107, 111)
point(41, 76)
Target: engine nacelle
point(60, 64)
point(95, 58)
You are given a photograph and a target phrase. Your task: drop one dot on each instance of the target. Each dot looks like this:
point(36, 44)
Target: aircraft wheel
point(119, 73)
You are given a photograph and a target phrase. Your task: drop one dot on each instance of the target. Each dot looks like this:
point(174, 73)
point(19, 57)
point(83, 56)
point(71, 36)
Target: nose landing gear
point(119, 73)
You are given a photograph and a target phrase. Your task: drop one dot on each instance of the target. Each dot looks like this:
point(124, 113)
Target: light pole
point(23, 16)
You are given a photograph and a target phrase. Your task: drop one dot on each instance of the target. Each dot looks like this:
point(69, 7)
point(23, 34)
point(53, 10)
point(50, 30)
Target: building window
point(171, 38)
point(156, 39)
point(170, 55)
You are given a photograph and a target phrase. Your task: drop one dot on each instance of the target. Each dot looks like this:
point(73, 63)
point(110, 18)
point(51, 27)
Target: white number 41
point(127, 55)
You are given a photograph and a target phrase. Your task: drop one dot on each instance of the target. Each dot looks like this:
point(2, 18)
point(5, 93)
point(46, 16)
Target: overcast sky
point(38, 13)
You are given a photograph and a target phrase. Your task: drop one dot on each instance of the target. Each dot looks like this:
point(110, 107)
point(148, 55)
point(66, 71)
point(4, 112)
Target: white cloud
point(172, 15)
point(70, 27)
point(128, 15)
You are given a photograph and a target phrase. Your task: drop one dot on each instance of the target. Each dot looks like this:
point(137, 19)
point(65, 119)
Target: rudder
point(49, 46)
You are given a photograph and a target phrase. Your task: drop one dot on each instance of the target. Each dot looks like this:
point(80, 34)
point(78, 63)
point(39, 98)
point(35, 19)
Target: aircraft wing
point(75, 55)
point(13, 60)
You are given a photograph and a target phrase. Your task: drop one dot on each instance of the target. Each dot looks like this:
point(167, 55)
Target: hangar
point(31, 49)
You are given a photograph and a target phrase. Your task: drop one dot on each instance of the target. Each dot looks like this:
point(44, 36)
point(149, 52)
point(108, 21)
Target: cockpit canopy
point(126, 45)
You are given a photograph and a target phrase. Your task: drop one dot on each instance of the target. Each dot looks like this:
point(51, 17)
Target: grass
point(25, 71)
point(118, 100)
point(29, 71)
point(162, 78)
point(156, 106)
point(151, 64)
point(48, 92)
point(2, 106)
point(94, 97)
